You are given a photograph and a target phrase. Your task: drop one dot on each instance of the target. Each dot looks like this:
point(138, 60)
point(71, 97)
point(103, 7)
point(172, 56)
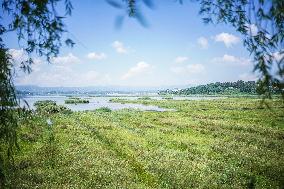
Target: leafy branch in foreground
point(39, 29)
point(8, 117)
point(262, 25)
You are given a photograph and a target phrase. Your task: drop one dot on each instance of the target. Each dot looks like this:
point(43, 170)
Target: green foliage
point(103, 109)
point(225, 143)
point(38, 25)
point(265, 44)
point(76, 100)
point(131, 9)
point(39, 29)
point(42, 103)
point(51, 147)
point(50, 107)
point(9, 116)
point(115, 99)
point(168, 98)
point(226, 88)
point(144, 98)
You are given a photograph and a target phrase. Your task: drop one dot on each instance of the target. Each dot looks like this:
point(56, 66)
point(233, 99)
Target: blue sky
point(176, 49)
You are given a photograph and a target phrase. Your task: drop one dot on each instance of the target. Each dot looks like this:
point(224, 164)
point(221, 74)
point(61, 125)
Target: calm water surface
point(95, 103)
point(99, 102)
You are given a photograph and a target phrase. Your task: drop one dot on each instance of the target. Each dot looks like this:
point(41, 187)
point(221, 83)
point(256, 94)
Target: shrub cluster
point(103, 109)
point(144, 98)
point(50, 107)
point(75, 100)
point(168, 98)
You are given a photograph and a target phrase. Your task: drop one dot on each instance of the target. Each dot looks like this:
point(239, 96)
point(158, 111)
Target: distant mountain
point(36, 90)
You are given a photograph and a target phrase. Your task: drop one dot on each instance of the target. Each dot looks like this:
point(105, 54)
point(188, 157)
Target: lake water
point(98, 102)
point(95, 103)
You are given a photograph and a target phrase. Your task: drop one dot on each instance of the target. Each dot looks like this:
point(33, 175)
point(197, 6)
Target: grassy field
point(229, 143)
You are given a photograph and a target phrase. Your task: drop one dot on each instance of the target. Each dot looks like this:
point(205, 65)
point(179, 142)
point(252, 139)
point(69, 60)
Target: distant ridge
point(37, 90)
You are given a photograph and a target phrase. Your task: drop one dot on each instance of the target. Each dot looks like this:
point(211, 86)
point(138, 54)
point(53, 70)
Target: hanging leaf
point(118, 22)
point(141, 19)
point(149, 3)
point(115, 4)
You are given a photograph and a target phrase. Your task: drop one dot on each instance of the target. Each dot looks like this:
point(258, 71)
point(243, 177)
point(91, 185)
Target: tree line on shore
point(226, 88)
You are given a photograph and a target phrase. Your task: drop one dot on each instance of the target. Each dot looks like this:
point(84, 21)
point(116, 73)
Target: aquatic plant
point(50, 107)
point(168, 98)
point(76, 101)
point(144, 98)
point(103, 109)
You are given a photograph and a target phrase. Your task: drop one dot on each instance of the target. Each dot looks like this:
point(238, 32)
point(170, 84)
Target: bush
point(144, 98)
point(104, 109)
point(168, 98)
point(50, 107)
point(76, 100)
point(44, 103)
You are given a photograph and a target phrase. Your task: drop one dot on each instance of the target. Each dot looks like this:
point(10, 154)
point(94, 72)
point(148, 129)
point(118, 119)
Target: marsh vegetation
point(76, 100)
point(223, 143)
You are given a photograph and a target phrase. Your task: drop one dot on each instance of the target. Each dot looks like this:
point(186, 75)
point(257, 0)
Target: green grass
point(103, 109)
point(228, 143)
point(168, 98)
point(144, 98)
point(50, 107)
point(76, 100)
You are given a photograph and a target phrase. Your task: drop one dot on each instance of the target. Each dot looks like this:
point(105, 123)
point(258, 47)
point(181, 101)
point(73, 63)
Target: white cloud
point(140, 68)
point(62, 73)
point(36, 66)
point(248, 77)
point(119, 47)
point(226, 58)
point(96, 56)
point(181, 59)
point(68, 59)
point(227, 39)
point(252, 29)
point(232, 60)
point(17, 54)
point(278, 56)
point(63, 76)
point(203, 42)
point(189, 69)
point(93, 78)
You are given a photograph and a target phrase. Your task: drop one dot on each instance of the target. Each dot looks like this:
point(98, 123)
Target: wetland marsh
point(221, 143)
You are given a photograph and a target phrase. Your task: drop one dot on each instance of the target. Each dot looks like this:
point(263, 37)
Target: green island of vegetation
point(222, 88)
point(144, 98)
point(76, 100)
point(167, 98)
point(223, 143)
point(50, 107)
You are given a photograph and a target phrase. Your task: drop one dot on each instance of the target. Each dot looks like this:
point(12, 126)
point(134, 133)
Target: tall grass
point(229, 143)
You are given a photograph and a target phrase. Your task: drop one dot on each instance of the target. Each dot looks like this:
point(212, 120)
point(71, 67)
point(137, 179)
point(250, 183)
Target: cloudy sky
point(175, 49)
